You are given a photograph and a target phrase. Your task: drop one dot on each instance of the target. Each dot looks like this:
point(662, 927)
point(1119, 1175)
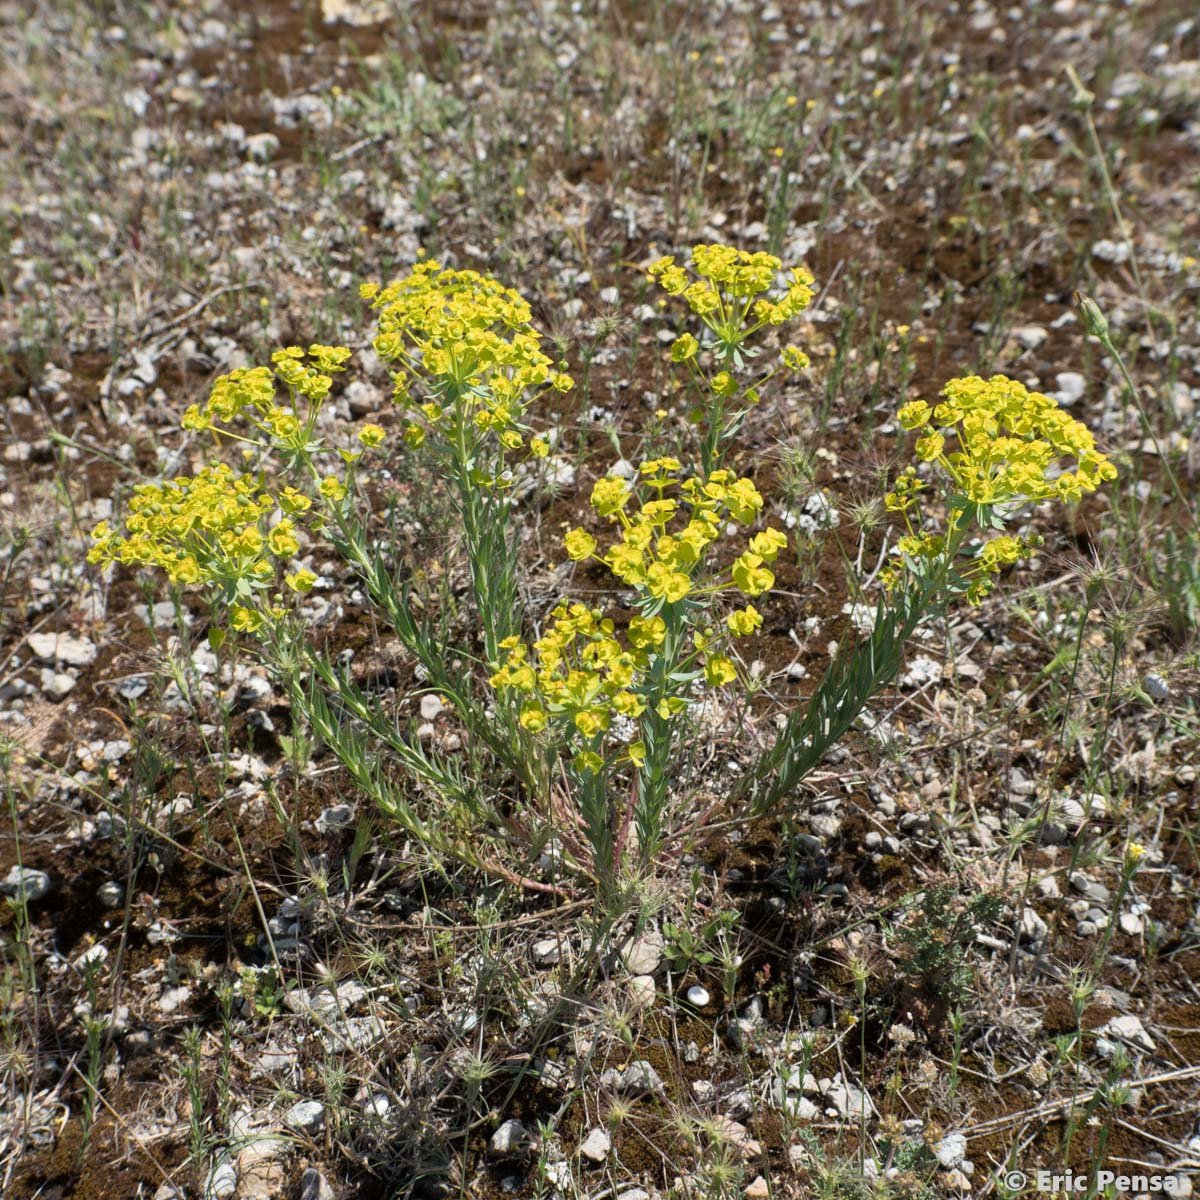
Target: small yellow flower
point(684, 348)
point(719, 670)
point(246, 620)
point(301, 581)
point(744, 622)
point(332, 488)
point(533, 717)
point(579, 544)
point(371, 436)
point(750, 576)
point(587, 762)
point(768, 544)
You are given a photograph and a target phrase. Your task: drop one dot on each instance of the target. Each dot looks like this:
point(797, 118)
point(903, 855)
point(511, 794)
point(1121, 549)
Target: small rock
point(262, 146)
point(63, 648)
point(93, 956)
point(1130, 923)
point(703, 1089)
point(757, 1189)
point(642, 955)
point(697, 995)
point(596, 1146)
point(951, 1150)
point(641, 991)
point(1156, 687)
point(222, 1182)
point(1128, 1029)
point(848, 1101)
point(546, 952)
point(314, 1186)
point(511, 1138)
point(306, 1115)
point(636, 1193)
point(1071, 387)
point(1089, 888)
point(1030, 337)
point(921, 671)
point(57, 684)
point(640, 1076)
point(336, 816)
point(825, 825)
point(800, 1107)
point(1031, 929)
point(431, 706)
point(25, 883)
point(171, 999)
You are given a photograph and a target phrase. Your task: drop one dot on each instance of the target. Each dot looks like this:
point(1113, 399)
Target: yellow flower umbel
point(998, 443)
point(735, 294)
point(471, 343)
point(250, 394)
point(210, 529)
point(582, 675)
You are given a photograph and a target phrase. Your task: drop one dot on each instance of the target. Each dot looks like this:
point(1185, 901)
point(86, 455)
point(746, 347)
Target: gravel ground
point(225, 976)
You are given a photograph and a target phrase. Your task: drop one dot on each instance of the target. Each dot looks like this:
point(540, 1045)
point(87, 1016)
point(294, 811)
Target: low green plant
point(937, 940)
point(583, 717)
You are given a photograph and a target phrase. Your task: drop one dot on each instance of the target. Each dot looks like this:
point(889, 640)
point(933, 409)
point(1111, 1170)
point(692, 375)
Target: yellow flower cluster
point(471, 341)
point(208, 529)
point(250, 392)
point(1008, 439)
point(728, 280)
point(581, 673)
point(659, 560)
point(1008, 445)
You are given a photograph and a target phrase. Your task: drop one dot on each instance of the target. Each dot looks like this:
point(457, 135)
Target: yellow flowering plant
point(577, 720)
point(735, 294)
point(467, 367)
point(996, 444)
point(615, 700)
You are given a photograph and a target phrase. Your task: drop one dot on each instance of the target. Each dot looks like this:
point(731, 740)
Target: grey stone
point(26, 883)
point(848, 1101)
point(1032, 928)
point(306, 1115)
point(336, 816)
point(642, 955)
point(1089, 888)
point(641, 991)
point(697, 995)
point(546, 952)
point(640, 1076)
point(58, 684)
point(1071, 386)
point(511, 1138)
point(262, 146)
point(596, 1146)
point(314, 1186)
point(222, 1182)
point(951, 1150)
point(1128, 1029)
point(63, 648)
